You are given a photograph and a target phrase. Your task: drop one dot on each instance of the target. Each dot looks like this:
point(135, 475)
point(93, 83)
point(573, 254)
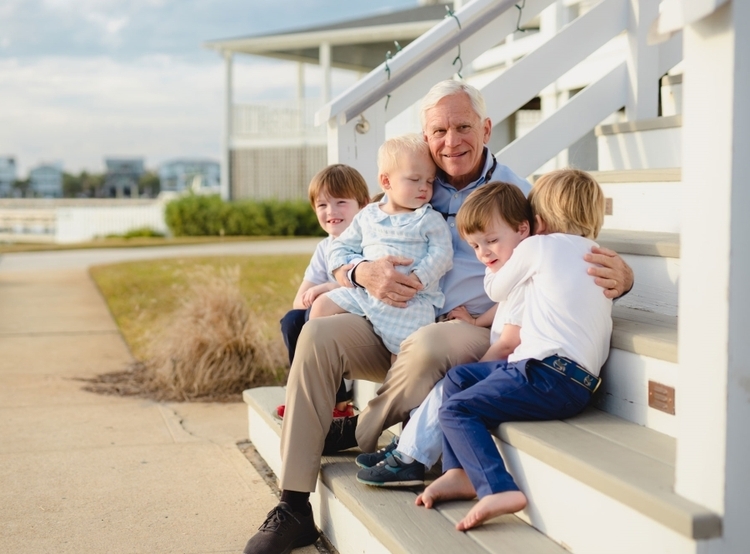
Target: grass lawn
point(142, 296)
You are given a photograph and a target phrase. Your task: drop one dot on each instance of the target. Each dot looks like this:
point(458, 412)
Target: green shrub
point(136, 233)
point(194, 215)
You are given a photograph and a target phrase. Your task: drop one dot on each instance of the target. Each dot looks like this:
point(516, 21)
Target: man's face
point(456, 136)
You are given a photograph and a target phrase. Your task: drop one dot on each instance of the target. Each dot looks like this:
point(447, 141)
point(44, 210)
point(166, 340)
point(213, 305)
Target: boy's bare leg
point(493, 505)
point(451, 485)
point(324, 306)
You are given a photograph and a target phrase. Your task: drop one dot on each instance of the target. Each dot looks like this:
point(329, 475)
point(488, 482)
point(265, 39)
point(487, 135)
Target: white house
point(182, 174)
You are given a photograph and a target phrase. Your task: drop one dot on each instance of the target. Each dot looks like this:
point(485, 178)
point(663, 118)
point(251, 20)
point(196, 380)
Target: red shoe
point(349, 412)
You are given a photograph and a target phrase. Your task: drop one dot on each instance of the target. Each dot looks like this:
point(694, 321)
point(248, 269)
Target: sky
point(81, 80)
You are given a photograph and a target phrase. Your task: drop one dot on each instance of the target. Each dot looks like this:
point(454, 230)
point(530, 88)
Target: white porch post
point(551, 20)
point(356, 143)
point(226, 139)
point(713, 395)
point(643, 62)
point(301, 95)
point(325, 67)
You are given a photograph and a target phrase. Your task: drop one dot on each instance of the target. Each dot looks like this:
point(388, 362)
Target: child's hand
point(463, 314)
point(310, 295)
point(341, 275)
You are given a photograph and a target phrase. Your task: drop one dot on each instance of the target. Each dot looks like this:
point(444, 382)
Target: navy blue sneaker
point(371, 459)
point(392, 472)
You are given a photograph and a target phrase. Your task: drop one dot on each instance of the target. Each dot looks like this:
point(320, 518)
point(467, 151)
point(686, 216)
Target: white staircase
point(629, 474)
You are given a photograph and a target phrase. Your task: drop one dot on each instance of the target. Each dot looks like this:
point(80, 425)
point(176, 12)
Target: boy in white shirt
point(403, 224)
point(553, 372)
point(493, 212)
point(336, 193)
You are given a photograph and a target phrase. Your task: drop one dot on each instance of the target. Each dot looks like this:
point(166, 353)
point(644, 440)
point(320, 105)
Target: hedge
point(195, 215)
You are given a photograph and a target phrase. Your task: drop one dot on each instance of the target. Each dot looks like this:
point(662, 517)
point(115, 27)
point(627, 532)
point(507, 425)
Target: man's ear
point(540, 227)
point(385, 182)
point(487, 130)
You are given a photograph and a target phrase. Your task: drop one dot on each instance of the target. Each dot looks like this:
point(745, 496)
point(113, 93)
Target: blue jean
point(480, 396)
point(291, 327)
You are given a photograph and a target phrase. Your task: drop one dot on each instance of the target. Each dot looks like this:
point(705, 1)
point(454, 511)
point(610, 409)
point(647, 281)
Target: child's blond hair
point(569, 201)
point(490, 201)
point(394, 148)
point(339, 181)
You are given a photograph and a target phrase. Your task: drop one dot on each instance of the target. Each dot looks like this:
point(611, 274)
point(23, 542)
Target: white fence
point(74, 220)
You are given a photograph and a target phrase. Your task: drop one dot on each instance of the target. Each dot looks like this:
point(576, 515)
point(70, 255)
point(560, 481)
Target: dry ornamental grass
point(213, 348)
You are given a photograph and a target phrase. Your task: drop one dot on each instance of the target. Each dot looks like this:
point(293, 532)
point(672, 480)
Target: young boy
point(336, 193)
point(493, 220)
point(553, 372)
point(402, 224)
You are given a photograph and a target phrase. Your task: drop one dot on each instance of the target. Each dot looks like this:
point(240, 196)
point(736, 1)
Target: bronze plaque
point(607, 206)
point(661, 397)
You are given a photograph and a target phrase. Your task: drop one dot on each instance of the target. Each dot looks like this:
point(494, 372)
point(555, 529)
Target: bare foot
point(494, 505)
point(453, 484)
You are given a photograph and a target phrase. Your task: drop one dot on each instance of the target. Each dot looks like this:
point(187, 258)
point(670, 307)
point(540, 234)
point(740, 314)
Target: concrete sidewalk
point(80, 472)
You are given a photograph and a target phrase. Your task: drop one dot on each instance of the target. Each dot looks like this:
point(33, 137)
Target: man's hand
point(385, 283)
point(611, 271)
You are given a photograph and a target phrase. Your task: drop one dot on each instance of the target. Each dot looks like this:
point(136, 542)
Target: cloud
point(80, 110)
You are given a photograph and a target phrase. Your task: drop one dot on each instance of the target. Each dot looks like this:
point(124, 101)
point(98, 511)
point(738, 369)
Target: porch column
point(325, 68)
point(713, 394)
point(226, 139)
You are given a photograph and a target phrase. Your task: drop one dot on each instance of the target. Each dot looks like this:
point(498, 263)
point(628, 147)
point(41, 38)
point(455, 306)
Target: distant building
point(7, 175)
point(122, 177)
point(179, 175)
point(46, 180)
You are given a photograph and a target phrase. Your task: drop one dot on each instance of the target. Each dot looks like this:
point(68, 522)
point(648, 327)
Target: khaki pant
point(345, 346)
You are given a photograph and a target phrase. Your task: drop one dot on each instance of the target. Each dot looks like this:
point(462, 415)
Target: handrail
point(443, 38)
point(581, 114)
point(541, 67)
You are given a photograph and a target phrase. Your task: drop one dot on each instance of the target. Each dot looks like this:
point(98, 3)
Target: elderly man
point(456, 128)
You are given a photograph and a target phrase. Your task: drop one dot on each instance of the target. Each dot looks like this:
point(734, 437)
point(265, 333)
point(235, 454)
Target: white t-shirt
point(566, 313)
point(317, 270)
point(509, 312)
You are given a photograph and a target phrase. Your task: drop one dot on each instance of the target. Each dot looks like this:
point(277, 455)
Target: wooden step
point(358, 518)
point(591, 480)
point(646, 144)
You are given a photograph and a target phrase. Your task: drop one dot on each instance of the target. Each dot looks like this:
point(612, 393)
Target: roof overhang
point(359, 45)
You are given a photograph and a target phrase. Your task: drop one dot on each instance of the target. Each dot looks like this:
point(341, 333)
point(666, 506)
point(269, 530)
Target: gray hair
point(449, 88)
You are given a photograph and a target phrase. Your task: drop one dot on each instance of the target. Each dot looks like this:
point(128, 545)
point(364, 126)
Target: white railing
point(356, 119)
point(289, 120)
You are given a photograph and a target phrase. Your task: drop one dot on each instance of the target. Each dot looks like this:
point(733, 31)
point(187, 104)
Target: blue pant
point(291, 327)
point(480, 396)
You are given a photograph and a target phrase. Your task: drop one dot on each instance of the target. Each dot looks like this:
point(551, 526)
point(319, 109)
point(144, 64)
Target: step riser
point(340, 526)
point(652, 149)
point(624, 389)
point(656, 284)
point(643, 206)
point(598, 524)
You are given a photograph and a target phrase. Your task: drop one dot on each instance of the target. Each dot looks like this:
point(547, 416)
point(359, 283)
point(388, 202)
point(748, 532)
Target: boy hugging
point(553, 372)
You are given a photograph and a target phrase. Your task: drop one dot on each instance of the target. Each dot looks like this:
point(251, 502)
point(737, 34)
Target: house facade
point(46, 180)
point(199, 175)
point(7, 175)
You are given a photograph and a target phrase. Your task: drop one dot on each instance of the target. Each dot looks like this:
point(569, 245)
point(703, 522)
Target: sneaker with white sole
point(392, 472)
